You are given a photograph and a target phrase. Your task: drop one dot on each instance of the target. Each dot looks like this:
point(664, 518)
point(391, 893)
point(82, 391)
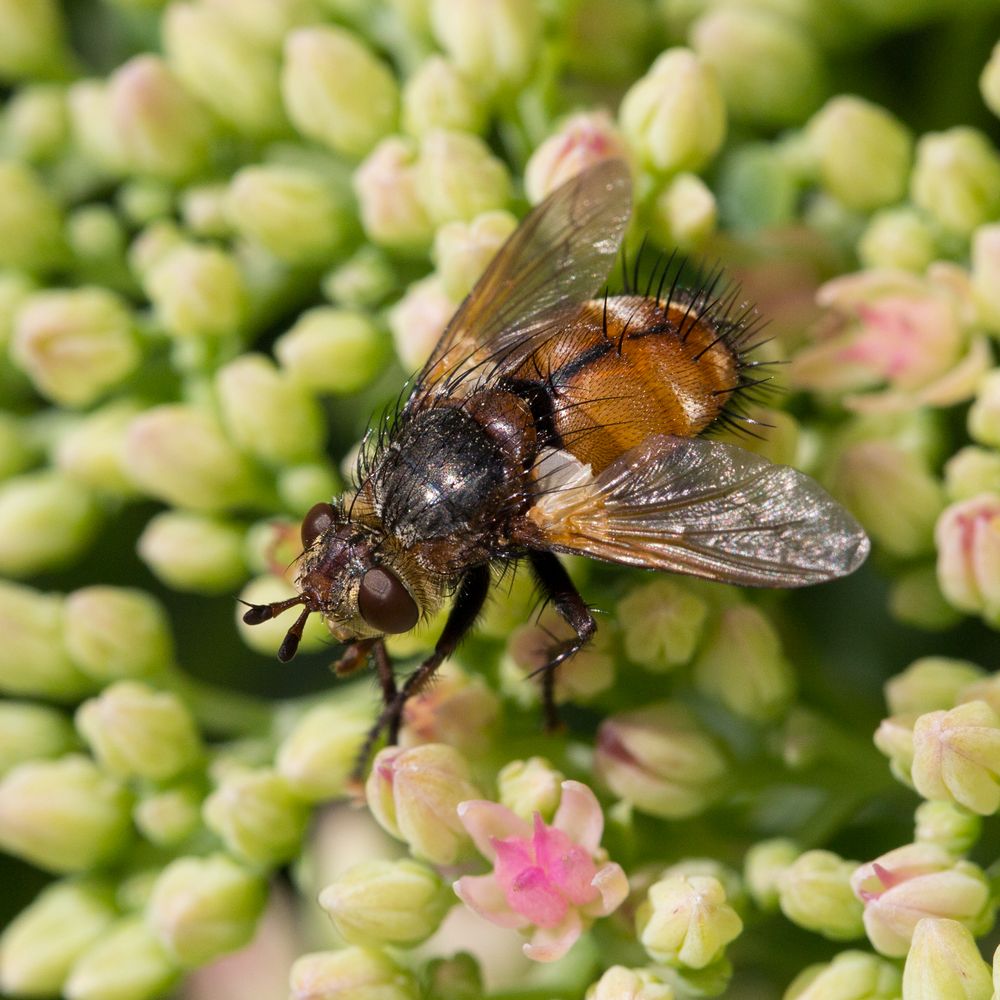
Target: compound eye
point(319, 518)
point(385, 604)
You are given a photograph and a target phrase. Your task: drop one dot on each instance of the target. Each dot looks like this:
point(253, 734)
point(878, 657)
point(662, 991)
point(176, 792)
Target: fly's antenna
point(256, 614)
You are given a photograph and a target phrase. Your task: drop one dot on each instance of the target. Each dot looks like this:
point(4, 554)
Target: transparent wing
point(558, 257)
point(705, 508)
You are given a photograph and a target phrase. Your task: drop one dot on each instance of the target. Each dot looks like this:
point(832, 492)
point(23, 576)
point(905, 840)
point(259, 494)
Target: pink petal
point(533, 896)
point(579, 816)
point(482, 894)
point(548, 944)
point(512, 857)
point(488, 821)
point(569, 867)
point(612, 883)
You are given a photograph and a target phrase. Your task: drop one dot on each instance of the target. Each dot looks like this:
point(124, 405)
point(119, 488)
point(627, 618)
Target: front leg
point(558, 588)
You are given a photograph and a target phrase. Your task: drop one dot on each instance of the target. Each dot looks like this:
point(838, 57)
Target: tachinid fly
point(551, 420)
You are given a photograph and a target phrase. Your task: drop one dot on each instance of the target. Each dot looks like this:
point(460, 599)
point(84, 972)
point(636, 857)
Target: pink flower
point(554, 879)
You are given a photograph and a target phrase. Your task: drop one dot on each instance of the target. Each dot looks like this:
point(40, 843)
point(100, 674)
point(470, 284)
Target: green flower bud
point(34, 660)
point(530, 786)
point(28, 209)
point(162, 130)
point(862, 152)
point(764, 865)
point(814, 891)
point(674, 118)
point(198, 291)
point(659, 759)
point(439, 95)
point(292, 212)
point(852, 975)
point(257, 816)
point(127, 963)
point(986, 275)
point(96, 235)
point(152, 246)
point(63, 815)
point(956, 179)
point(463, 249)
point(770, 70)
point(230, 73)
point(95, 132)
point(363, 281)
point(29, 732)
point(687, 920)
point(40, 945)
point(333, 350)
point(114, 633)
point(203, 907)
point(387, 902)
point(31, 39)
point(299, 485)
point(37, 122)
point(414, 795)
point(326, 72)
point(894, 738)
point(984, 414)
point(318, 755)
point(266, 413)
point(496, 46)
point(268, 21)
point(192, 552)
point(46, 521)
point(179, 454)
point(350, 974)
point(971, 471)
point(930, 683)
point(137, 732)
point(392, 212)
point(89, 451)
point(170, 817)
point(897, 238)
point(989, 81)
point(948, 826)
point(75, 344)
point(266, 637)
point(662, 622)
point(944, 961)
point(205, 212)
point(143, 200)
point(619, 983)
point(956, 756)
point(418, 319)
point(684, 212)
point(741, 664)
point(458, 178)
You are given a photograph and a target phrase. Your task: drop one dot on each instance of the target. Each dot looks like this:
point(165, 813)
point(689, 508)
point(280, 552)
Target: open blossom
point(968, 565)
point(894, 341)
point(551, 881)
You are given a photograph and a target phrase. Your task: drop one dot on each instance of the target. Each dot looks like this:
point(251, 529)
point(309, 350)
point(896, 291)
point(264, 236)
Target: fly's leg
point(558, 588)
point(468, 603)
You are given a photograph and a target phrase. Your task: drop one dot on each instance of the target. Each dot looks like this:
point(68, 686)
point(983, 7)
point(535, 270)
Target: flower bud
point(169, 817)
point(496, 45)
point(454, 978)
point(15, 289)
point(770, 69)
point(257, 816)
point(193, 552)
point(956, 179)
point(350, 974)
point(984, 415)
point(530, 786)
point(687, 920)
point(987, 689)
point(28, 209)
point(659, 759)
point(765, 862)
point(197, 291)
point(968, 565)
point(361, 282)
point(31, 39)
point(387, 902)
point(63, 815)
point(897, 238)
point(916, 599)
point(336, 91)
point(162, 130)
point(136, 732)
point(46, 521)
point(674, 118)
point(894, 737)
point(392, 212)
point(152, 246)
point(93, 130)
point(294, 213)
point(179, 454)
point(684, 212)
point(741, 664)
point(333, 350)
point(40, 945)
point(34, 660)
point(462, 250)
point(230, 73)
point(852, 975)
point(915, 881)
point(947, 826)
point(144, 200)
point(619, 983)
point(862, 152)
point(814, 891)
point(75, 344)
point(661, 622)
point(956, 756)
point(439, 95)
point(37, 122)
point(117, 632)
point(971, 471)
point(414, 795)
point(986, 275)
point(299, 485)
point(929, 683)
point(96, 237)
point(418, 319)
point(943, 961)
point(89, 451)
point(30, 732)
point(203, 907)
